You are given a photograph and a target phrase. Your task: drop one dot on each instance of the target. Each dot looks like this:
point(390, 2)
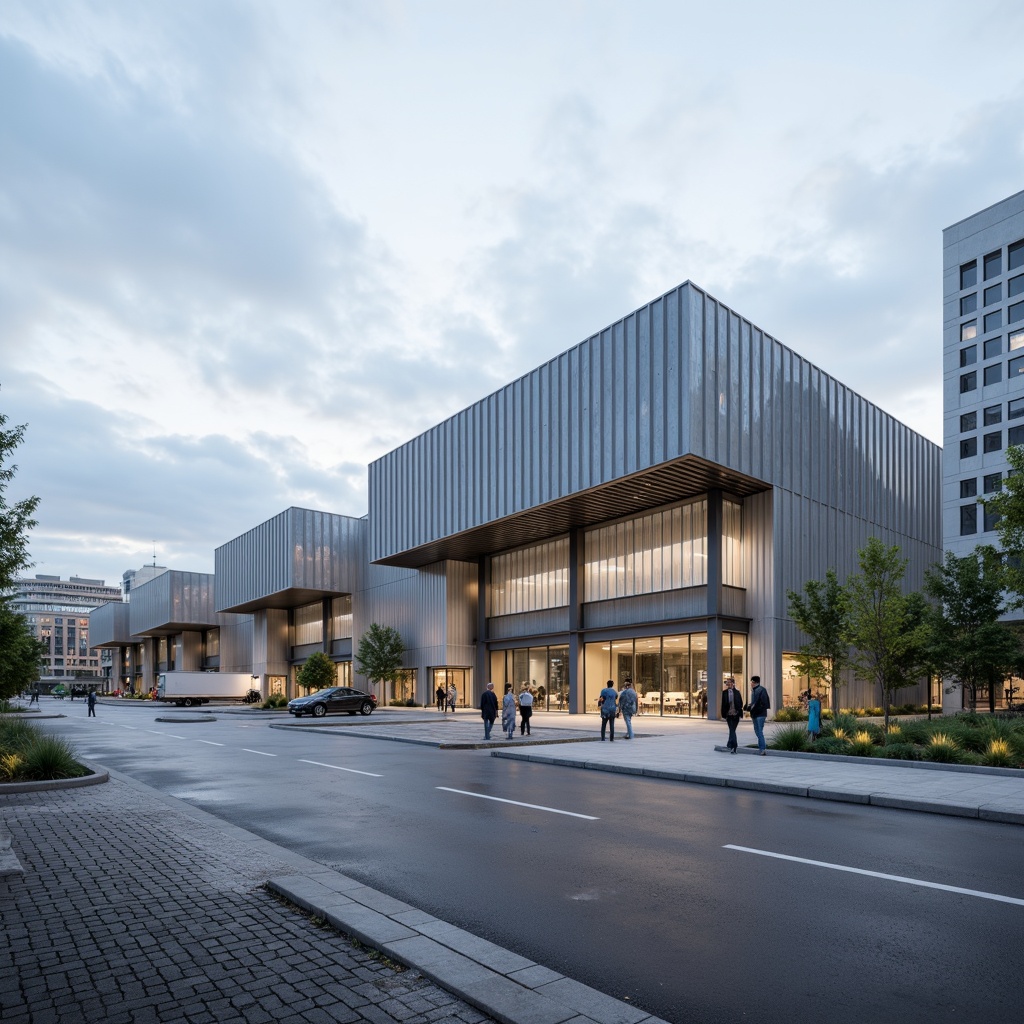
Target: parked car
point(334, 698)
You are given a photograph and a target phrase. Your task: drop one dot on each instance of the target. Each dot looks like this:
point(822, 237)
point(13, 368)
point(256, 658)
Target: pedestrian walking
point(453, 696)
point(608, 700)
point(758, 707)
point(525, 711)
point(91, 701)
point(508, 712)
point(488, 709)
point(629, 703)
point(442, 699)
point(732, 711)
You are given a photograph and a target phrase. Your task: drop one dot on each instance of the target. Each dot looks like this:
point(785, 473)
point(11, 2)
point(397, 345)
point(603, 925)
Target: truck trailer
point(192, 689)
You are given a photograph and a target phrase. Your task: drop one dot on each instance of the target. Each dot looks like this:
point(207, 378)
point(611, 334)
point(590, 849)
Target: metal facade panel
point(109, 625)
point(747, 403)
point(635, 611)
point(298, 549)
point(527, 624)
point(172, 599)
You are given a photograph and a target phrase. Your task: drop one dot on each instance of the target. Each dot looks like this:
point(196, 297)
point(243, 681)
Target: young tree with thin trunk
point(887, 629)
point(317, 673)
point(379, 656)
point(821, 612)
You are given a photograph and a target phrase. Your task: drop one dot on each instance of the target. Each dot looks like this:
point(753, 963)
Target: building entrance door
point(459, 678)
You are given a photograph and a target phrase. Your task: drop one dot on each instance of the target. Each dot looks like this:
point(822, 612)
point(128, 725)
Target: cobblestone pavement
point(131, 911)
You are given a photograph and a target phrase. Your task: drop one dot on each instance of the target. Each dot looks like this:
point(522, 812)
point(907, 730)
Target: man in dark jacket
point(488, 709)
point(760, 702)
point(732, 711)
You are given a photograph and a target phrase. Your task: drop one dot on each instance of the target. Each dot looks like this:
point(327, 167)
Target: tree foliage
point(888, 630)
point(968, 643)
point(1008, 505)
point(20, 652)
point(317, 673)
point(821, 611)
point(379, 656)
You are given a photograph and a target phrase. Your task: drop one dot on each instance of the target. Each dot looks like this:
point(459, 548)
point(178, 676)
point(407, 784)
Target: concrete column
point(576, 701)
point(714, 587)
point(481, 661)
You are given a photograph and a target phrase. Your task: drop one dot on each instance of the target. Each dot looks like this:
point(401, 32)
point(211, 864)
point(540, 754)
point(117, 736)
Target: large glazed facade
point(641, 505)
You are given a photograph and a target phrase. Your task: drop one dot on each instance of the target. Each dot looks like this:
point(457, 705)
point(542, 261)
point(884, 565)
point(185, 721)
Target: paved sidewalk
point(134, 907)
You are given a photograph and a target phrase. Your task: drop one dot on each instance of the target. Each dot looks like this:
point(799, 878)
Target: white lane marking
point(337, 767)
point(212, 744)
point(518, 803)
point(263, 752)
point(134, 728)
point(173, 735)
point(879, 874)
point(156, 732)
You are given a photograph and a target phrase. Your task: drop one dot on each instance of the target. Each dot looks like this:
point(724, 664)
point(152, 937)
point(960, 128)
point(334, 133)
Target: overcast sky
point(246, 248)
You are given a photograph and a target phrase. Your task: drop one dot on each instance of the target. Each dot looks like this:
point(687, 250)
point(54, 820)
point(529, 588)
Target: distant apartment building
point(57, 612)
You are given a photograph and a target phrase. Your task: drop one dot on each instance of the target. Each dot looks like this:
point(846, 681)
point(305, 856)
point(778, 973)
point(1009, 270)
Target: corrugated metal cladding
point(108, 624)
point(299, 549)
point(173, 599)
point(682, 376)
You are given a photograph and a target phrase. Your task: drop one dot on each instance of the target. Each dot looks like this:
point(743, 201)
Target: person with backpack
point(628, 706)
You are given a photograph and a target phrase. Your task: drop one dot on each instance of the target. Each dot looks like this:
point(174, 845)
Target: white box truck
point(191, 689)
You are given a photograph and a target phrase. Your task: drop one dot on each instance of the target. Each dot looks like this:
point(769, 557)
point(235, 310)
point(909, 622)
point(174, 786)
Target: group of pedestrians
point(509, 703)
point(614, 704)
point(733, 710)
point(446, 699)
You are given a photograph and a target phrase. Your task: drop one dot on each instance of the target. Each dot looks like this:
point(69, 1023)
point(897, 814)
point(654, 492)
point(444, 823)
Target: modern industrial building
point(57, 612)
point(983, 370)
point(640, 506)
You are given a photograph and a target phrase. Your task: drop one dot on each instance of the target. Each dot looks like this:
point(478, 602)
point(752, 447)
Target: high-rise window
point(993, 374)
point(994, 293)
point(1015, 409)
point(1015, 286)
point(993, 264)
point(994, 320)
point(308, 624)
point(992, 483)
point(993, 442)
point(1015, 313)
point(969, 488)
point(1015, 255)
point(992, 415)
point(993, 348)
point(969, 275)
point(968, 330)
point(968, 447)
point(969, 355)
point(968, 421)
point(968, 520)
point(969, 303)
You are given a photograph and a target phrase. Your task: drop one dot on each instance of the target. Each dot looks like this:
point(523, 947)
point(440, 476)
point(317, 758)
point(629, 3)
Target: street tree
point(968, 642)
point(1008, 505)
point(20, 652)
point(379, 656)
point(888, 630)
point(317, 673)
point(821, 611)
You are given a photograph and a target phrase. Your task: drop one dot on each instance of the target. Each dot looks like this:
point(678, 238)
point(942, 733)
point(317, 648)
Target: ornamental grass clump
point(791, 737)
point(942, 748)
point(50, 757)
point(862, 744)
point(999, 754)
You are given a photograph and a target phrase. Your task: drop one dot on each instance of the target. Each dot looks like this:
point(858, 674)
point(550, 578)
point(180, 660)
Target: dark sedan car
point(334, 698)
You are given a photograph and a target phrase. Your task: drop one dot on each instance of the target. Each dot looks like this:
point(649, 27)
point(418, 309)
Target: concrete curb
point(984, 811)
point(888, 762)
point(186, 721)
point(98, 775)
point(502, 984)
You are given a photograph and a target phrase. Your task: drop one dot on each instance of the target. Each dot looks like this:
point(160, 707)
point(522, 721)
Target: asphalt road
point(633, 889)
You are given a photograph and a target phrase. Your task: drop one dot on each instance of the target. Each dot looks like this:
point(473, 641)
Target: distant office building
point(983, 370)
point(57, 612)
point(132, 578)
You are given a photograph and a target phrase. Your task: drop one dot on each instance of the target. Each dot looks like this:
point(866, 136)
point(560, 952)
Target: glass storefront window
point(404, 687)
point(530, 579)
point(460, 678)
point(734, 661)
point(664, 550)
point(341, 617)
point(732, 546)
point(308, 624)
point(558, 680)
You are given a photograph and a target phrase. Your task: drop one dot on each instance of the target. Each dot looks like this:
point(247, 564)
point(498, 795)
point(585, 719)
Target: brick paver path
point(130, 912)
